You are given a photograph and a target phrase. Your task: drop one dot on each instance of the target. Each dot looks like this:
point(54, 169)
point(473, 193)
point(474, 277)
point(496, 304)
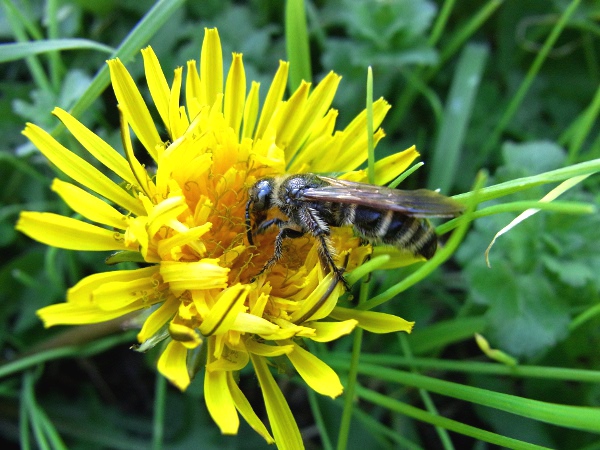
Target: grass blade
point(296, 40)
point(457, 114)
point(20, 50)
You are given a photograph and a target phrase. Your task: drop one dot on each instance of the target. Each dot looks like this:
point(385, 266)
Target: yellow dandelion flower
point(184, 216)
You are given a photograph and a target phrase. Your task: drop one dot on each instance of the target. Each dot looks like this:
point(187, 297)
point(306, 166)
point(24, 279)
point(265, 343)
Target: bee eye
point(262, 195)
point(262, 198)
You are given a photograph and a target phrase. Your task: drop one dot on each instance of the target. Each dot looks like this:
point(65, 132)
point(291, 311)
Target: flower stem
point(352, 373)
point(160, 391)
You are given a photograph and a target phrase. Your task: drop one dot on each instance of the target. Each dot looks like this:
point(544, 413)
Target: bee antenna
point(248, 224)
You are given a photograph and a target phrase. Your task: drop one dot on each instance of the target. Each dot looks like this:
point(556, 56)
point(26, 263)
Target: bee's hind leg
point(327, 258)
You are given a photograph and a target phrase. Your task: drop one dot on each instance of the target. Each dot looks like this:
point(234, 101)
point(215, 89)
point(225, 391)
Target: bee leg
point(327, 258)
point(264, 226)
point(319, 229)
point(278, 252)
point(368, 279)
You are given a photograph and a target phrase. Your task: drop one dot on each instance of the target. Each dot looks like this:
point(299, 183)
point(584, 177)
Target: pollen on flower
point(185, 219)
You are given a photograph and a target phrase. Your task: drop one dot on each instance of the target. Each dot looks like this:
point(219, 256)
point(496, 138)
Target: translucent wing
point(414, 203)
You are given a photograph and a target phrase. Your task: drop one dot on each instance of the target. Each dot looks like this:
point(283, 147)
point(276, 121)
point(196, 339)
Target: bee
point(314, 203)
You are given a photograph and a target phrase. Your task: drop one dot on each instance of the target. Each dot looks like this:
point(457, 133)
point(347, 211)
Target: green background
point(508, 90)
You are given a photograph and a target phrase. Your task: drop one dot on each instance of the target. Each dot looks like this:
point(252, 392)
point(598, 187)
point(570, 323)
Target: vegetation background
point(510, 88)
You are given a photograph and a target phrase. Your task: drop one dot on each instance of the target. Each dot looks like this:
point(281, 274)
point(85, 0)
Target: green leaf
point(572, 272)
point(389, 23)
point(533, 157)
point(525, 316)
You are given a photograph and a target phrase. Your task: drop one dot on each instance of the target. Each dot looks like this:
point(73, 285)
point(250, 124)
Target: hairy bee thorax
point(289, 190)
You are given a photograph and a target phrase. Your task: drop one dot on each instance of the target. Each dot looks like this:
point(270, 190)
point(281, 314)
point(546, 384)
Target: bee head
point(259, 201)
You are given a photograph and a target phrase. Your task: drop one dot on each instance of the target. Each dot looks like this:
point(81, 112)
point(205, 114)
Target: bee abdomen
point(394, 228)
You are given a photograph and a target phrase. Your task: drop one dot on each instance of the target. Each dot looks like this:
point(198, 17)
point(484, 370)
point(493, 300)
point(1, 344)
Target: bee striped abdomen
point(394, 228)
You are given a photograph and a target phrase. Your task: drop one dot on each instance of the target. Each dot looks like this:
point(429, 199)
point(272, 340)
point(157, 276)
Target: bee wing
point(414, 203)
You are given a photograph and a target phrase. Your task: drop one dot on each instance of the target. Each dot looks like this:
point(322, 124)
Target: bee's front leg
point(278, 251)
point(264, 226)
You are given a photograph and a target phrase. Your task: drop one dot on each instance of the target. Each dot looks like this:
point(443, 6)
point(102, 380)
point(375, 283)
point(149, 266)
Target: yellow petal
point(284, 427)
point(386, 169)
point(330, 331)
point(323, 127)
point(268, 350)
point(193, 90)
point(316, 107)
point(75, 314)
point(249, 323)
point(211, 66)
point(216, 109)
point(63, 232)
point(89, 205)
point(232, 361)
point(286, 118)
point(80, 170)
point(165, 212)
point(389, 168)
point(329, 145)
point(97, 147)
point(318, 375)
point(82, 292)
point(245, 409)
point(354, 143)
point(138, 234)
point(229, 303)
point(319, 303)
point(231, 255)
point(351, 158)
point(286, 333)
point(375, 322)
point(157, 84)
point(119, 294)
point(158, 318)
point(357, 128)
point(311, 158)
point(190, 237)
point(139, 172)
point(172, 364)
point(164, 180)
point(203, 274)
point(251, 111)
point(187, 336)
point(274, 96)
point(134, 108)
point(258, 306)
point(178, 119)
point(235, 94)
point(219, 402)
